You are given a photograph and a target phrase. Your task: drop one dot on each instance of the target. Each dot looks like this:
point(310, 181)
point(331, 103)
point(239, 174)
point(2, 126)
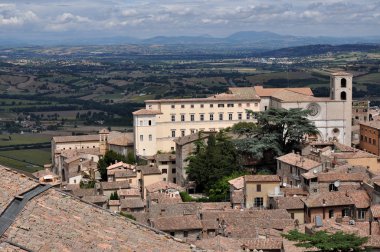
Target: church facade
point(162, 121)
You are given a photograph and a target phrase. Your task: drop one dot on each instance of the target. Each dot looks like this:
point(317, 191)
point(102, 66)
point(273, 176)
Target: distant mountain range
point(254, 39)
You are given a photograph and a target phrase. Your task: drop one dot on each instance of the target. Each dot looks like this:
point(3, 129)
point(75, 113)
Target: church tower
point(341, 90)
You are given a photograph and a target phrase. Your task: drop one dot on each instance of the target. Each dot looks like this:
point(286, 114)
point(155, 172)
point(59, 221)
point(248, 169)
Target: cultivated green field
point(27, 160)
point(17, 139)
point(373, 78)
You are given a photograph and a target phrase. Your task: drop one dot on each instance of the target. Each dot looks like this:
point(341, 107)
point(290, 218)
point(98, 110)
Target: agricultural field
point(23, 139)
point(29, 160)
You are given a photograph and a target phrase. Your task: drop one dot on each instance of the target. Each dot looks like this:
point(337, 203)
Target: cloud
point(146, 18)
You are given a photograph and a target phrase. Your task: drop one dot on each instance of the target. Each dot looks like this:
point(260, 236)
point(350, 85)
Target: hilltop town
point(235, 171)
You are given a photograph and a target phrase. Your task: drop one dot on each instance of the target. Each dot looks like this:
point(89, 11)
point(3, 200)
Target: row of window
point(368, 140)
point(211, 117)
point(192, 131)
point(150, 138)
point(88, 147)
point(165, 171)
point(220, 105)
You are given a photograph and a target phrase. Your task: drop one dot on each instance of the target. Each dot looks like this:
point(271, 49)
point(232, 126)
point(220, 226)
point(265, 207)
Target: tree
point(109, 158)
point(278, 130)
point(325, 241)
point(210, 163)
point(114, 196)
point(220, 191)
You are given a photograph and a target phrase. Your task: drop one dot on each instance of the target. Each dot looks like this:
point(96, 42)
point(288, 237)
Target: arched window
point(150, 122)
point(343, 96)
point(343, 82)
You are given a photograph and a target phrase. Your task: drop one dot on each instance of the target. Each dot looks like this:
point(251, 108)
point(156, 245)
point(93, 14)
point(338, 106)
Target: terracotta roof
point(344, 177)
point(146, 112)
point(341, 73)
point(262, 178)
point(291, 96)
point(148, 170)
point(79, 192)
point(13, 184)
point(125, 174)
point(221, 243)
point(120, 139)
point(261, 91)
point(132, 192)
point(163, 185)
point(164, 157)
point(309, 175)
point(299, 161)
point(73, 225)
point(288, 191)
point(131, 203)
point(237, 183)
point(121, 165)
point(289, 203)
point(244, 91)
point(114, 202)
point(328, 199)
point(7, 247)
point(347, 152)
point(164, 198)
point(186, 222)
point(43, 173)
point(375, 210)
point(79, 138)
point(237, 197)
point(114, 185)
point(213, 98)
point(372, 124)
point(95, 199)
point(360, 198)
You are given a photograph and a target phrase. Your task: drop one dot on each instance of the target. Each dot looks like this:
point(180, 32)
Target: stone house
point(259, 188)
point(290, 168)
point(294, 205)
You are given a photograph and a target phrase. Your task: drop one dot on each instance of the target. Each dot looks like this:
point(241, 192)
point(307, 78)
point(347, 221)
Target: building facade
point(370, 136)
point(162, 121)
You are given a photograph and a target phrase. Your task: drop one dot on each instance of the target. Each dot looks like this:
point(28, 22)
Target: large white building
point(156, 126)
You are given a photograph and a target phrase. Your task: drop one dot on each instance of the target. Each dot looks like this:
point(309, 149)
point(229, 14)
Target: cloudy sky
point(148, 18)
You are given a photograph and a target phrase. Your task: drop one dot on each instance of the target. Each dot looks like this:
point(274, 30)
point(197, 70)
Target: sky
point(79, 19)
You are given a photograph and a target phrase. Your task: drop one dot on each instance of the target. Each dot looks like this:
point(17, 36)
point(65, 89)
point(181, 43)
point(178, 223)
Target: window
point(185, 233)
point(239, 105)
point(192, 106)
point(220, 105)
point(164, 162)
point(230, 105)
point(150, 137)
point(331, 213)
point(256, 104)
point(174, 170)
point(192, 131)
point(173, 118)
point(292, 215)
point(211, 117)
point(172, 233)
point(343, 96)
point(182, 133)
point(202, 117)
point(182, 106)
point(192, 117)
point(345, 212)
point(248, 104)
point(174, 180)
point(343, 83)
point(258, 202)
point(240, 116)
point(173, 106)
point(248, 116)
point(164, 171)
point(361, 137)
point(230, 116)
point(173, 162)
point(202, 105)
point(266, 107)
point(365, 139)
point(182, 118)
point(361, 214)
point(374, 141)
point(211, 105)
point(173, 133)
point(149, 122)
point(141, 123)
point(258, 188)
point(141, 138)
point(220, 117)
point(332, 187)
